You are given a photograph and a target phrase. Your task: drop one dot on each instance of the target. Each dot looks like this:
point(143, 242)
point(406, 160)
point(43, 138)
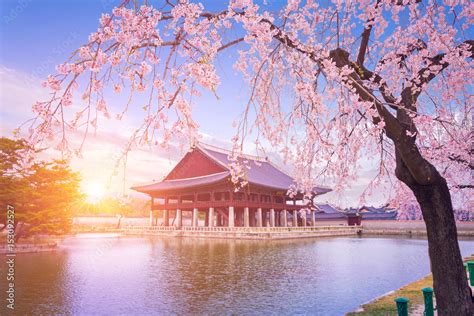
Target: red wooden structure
point(200, 182)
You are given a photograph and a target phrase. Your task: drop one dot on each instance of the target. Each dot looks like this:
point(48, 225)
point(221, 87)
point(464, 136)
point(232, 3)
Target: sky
point(35, 36)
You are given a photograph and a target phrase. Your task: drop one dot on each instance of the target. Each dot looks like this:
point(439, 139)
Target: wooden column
point(231, 216)
point(272, 217)
point(313, 218)
point(304, 219)
point(246, 217)
point(179, 218)
point(259, 217)
point(166, 218)
point(152, 202)
point(295, 218)
point(195, 217)
point(284, 218)
point(151, 218)
point(211, 217)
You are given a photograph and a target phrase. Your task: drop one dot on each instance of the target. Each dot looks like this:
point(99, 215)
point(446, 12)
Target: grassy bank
point(386, 306)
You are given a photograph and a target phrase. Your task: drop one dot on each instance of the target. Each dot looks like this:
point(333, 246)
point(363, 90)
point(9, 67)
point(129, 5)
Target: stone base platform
point(244, 232)
point(28, 248)
point(409, 228)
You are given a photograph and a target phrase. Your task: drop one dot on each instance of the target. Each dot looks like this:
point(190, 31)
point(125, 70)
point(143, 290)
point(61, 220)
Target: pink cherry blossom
point(304, 95)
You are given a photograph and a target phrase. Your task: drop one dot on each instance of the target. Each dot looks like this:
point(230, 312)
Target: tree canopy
point(43, 194)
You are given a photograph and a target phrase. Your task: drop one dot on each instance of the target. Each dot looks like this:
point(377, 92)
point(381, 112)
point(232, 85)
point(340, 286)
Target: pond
point(110, 275)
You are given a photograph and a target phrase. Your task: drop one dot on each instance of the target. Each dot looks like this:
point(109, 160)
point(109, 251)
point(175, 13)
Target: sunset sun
point(94, 192)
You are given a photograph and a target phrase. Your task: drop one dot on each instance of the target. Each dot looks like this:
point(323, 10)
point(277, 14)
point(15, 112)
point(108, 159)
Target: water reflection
point(117, 275)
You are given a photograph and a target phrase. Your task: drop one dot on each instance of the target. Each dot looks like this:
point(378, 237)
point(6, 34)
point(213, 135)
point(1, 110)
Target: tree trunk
point(449, 276)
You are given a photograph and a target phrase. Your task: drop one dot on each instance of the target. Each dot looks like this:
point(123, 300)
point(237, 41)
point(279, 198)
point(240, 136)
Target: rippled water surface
point(110, 275)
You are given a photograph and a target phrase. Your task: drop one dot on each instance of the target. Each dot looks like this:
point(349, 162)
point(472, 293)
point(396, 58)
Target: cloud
point(103, 149)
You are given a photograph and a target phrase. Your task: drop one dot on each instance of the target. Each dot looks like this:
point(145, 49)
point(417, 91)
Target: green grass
point(386, 305)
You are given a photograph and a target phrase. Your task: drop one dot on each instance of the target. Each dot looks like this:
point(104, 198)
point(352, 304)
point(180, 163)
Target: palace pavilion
point(201, 184)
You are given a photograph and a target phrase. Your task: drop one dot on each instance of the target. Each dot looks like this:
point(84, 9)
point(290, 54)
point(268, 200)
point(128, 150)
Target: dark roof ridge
point(205, 147)
point(197, 177)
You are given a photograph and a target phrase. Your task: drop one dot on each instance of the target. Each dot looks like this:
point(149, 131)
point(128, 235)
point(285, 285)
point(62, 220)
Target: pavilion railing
point(238, 229)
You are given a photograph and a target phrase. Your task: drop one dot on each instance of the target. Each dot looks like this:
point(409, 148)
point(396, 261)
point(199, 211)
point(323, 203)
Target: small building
point(374, 213)
point(321, 213)
point(201, 184)
point(328, 212)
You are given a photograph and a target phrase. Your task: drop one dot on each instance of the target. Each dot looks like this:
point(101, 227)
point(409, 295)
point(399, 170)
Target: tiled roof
point(182, 183)
point(328, 209)
point(259, 172)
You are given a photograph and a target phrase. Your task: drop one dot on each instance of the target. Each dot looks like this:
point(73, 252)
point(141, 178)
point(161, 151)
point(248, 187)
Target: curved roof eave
point(178, 184)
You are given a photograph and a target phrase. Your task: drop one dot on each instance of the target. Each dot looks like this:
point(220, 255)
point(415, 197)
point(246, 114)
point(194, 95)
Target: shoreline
point(385, 304)
point(30, 248)
point(409, 228)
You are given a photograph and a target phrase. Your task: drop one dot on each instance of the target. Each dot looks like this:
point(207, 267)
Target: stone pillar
point(166, 218)
point(195, 217)
point(259, 217)
point(272, 218)
point(151, 218)
point(246, 217)
point(284, 216)
point(304, 219)
point(313, 218)
point(179, 218)
point(211, 217)
point(295, 218)
point(231, 216)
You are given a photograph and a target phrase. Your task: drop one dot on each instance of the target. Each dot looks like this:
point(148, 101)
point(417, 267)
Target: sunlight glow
point(94, 192)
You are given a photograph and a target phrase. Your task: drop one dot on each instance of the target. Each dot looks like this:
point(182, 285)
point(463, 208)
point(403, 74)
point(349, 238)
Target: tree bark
point(449, 276)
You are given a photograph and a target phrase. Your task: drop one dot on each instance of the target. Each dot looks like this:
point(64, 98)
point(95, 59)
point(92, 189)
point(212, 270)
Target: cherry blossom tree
point(328, 82)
